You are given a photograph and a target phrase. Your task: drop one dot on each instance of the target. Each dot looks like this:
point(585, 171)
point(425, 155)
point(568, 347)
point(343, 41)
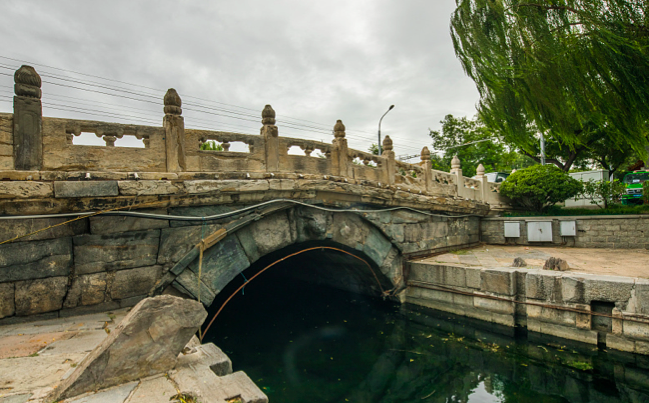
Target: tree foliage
point(540, 186)
point(491, 153)
point(576, 70)
point(211, 146)
point(603, 193)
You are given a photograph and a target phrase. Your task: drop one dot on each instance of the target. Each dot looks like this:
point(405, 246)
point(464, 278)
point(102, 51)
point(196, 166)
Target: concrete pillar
point(390, 162)
point(174, 125)
point(270, 133)
point(28, 120)
point(340, 153)
point(427, 166)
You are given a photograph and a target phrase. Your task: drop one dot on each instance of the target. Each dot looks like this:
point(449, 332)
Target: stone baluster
point(484, 185)
point(225, 145)
point(174, 125)
point(340, 153)
point(270, 134)
point(28, 120)
point(390, 162)
point(457, 171)
point(110, 140)
point(427, 166)
point(308, 150)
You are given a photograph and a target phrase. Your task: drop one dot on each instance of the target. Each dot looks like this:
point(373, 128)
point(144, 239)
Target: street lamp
point(386, 112)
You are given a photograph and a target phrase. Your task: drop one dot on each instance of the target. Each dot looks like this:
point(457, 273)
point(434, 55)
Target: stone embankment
point(611, 311)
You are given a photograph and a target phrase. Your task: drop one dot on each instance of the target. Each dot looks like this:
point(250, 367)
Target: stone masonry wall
point(616, 232)
point(6, 141)
point(546, 300)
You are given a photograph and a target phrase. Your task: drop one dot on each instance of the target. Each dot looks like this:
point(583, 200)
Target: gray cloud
point(318, 61)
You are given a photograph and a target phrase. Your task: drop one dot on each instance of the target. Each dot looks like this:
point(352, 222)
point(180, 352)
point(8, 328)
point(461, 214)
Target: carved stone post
point(484, 185)
point(174, 126)
point(340, 163)
point(28, 120)
point(270, 134)
point(455, 169)
point(390, 163)
point(427, 166)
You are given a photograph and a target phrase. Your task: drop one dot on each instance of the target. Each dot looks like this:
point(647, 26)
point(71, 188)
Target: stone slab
point(147, 342)
point(210, 355)
point(37, 259)
point(41, 295)
point(85, 189)
point(7, 299)
point(25, 190)
point(133, 282)
point(156, 389)
point(103, 224)
point(117, 394)
point(498, 281)
point(209, 388)
point(52, 226)
point(26, 374)
point(148, 187)
point(221, 263)
point(95, 253)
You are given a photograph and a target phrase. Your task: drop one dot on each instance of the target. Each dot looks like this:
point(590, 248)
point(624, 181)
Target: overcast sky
point(317, 61)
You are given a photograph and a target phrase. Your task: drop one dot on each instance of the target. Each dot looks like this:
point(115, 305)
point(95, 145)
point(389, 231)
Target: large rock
point(146, 342)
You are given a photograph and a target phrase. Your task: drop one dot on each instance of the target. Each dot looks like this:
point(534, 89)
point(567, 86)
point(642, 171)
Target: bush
point(607, 192)
point(540, 186)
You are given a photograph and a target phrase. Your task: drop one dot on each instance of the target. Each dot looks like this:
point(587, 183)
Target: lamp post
point(386, 112)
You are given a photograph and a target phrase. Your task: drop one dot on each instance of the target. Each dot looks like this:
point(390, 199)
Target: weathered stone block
point(95, 253)
point(636, 330)
point(86, 290)
point(102, 224)
point(618, 342)
point(85, 189)
point(7, 298)
point(210, 355)
point(642, 296)
point(502, 307)
point(607, 288)
point(376, 246)
point(221, 263)
point(37, 259)
point(176, 242)
point(134, 282)
point(187, 283)
point(38, 296)
point(148, 187)
point(473, 277)
point(14, 228)
point(572, 289)
point(24, 190)
point(266, 235)
point(210, 186)
point(498, 281)
point(146, 342)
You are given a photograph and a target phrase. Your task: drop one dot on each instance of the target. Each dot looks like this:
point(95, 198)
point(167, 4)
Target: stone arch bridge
point(76, 236)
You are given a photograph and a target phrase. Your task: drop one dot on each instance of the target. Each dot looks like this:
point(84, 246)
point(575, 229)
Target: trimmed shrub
point(540, 186)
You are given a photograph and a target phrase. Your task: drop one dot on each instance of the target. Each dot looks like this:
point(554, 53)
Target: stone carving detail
point(339, 129)
point(480, 171)
point(387, 144)
point(425, 154)
point(172, 103)
point(455, 162)
point(268, 115)
point(28, 82)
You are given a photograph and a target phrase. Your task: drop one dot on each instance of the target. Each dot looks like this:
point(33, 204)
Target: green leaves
point(540, 186)
point(604, 192)
point(558, 67)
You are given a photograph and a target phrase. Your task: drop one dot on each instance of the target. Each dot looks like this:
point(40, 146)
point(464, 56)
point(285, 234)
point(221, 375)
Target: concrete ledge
point(85, 189)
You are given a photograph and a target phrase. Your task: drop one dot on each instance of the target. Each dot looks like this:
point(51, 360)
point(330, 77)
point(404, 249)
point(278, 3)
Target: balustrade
point(172, 148)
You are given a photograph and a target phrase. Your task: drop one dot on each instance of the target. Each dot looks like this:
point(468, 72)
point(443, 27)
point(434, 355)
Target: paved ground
point(618, 262)
point(35, 357)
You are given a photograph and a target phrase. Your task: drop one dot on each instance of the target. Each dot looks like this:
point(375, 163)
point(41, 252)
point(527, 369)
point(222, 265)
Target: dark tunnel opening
point(302, 325)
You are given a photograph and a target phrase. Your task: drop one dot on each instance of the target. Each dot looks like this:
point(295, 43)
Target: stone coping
point(569, 218)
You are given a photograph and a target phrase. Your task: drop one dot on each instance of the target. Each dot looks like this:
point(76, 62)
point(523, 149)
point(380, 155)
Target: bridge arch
point(287, 231)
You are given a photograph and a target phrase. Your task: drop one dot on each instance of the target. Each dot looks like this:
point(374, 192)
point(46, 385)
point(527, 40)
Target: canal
point(306, 343)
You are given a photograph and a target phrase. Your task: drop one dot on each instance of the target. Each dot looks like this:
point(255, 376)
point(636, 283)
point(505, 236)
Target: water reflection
point(302, 343)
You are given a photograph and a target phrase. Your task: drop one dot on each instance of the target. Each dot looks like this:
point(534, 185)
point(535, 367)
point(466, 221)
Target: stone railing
point(29, 142)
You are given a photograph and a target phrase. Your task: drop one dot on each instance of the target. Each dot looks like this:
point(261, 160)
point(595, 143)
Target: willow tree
point(566, 68)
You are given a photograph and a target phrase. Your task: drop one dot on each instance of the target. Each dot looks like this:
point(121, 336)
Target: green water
point(303, 343)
